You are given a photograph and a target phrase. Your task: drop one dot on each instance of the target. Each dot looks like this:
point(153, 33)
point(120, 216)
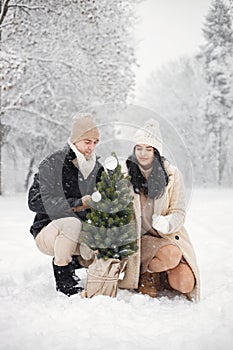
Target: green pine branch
point(110, 226)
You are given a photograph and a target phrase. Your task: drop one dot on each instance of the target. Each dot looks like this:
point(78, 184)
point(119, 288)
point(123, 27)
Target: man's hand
point(85, 204)
point(86, 201)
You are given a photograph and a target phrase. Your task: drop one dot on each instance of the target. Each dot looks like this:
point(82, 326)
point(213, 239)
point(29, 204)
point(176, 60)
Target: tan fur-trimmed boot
point(149, 283)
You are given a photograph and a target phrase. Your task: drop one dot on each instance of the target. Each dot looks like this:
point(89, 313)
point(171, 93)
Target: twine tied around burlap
point(103, 276)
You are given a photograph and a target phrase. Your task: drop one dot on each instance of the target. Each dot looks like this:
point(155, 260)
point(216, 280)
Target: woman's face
point(144, 155)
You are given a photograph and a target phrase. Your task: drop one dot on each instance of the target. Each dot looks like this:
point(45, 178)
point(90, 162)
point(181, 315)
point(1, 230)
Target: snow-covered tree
point(175, 93)
point(196, 96)
point(216, 54)
point(74, 54)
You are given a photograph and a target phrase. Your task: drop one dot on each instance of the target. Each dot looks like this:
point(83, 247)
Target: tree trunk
point(3, 13)
point(219, 159)
point(1, 141)
point(30, 172)
point(0, 147)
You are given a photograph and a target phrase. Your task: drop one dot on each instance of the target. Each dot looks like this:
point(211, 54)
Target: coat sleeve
point(176, 209)
point(43, 198)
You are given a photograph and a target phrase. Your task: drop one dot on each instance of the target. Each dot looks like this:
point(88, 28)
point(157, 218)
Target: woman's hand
point(160, 224)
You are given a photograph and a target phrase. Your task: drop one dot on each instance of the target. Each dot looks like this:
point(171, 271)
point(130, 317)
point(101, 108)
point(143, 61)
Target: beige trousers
point(60, 238)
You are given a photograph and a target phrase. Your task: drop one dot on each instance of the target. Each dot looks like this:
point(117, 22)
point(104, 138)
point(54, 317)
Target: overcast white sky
point(167, 30)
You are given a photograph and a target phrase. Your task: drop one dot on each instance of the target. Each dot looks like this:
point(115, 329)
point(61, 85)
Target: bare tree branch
point(42, 116)
point(60, 62)
point(50, 60)
point(4, 10)
point(6, 24)
point(37, 85)
point(27, 7)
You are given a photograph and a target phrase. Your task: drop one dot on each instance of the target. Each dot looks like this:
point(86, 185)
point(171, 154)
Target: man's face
point(86, 146)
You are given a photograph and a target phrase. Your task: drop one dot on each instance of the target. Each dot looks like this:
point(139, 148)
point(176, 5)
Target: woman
point(167, 260)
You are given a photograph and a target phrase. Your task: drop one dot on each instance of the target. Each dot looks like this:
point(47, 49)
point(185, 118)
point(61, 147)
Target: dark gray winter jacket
point(57, 187)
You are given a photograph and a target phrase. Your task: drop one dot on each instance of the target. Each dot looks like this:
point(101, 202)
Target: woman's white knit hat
point(149, 135)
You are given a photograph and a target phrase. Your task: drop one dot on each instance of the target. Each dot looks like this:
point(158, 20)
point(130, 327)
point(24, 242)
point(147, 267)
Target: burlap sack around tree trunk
point(102, 277)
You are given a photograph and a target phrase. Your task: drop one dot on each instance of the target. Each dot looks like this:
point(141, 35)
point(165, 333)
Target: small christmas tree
point(110, 228)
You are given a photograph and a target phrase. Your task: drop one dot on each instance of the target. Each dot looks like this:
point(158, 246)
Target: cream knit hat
point(83, 127)
point(150, 135)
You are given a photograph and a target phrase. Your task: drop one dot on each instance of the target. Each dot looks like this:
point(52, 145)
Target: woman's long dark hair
point(158, 179)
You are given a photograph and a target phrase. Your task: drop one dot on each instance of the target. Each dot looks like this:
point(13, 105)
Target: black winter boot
point(65, 281)
point(74, 264)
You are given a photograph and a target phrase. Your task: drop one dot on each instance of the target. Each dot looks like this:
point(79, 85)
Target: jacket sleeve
point(34, 198)
point(176, 210)
point(42, 196)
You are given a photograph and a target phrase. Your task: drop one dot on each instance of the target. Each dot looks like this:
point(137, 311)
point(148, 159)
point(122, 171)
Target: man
point(59, 196)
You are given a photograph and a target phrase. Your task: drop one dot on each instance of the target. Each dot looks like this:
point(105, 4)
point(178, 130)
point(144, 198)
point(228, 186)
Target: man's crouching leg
point(60, 239)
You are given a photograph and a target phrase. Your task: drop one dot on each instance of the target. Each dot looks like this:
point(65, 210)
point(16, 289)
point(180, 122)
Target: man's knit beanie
point(83, 127)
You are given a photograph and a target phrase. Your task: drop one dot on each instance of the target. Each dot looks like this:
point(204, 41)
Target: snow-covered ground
point(34, 316)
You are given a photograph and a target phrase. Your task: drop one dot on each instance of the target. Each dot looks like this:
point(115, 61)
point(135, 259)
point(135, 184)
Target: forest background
point(60, 57)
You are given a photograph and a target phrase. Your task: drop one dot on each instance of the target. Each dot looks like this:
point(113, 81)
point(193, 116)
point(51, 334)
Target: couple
point(165, 259)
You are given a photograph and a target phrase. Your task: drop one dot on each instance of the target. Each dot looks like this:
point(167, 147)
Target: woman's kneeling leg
point(166, 258)
point(181, 278)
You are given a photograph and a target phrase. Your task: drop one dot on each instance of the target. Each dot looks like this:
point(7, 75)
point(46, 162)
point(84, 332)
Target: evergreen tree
point(216, 53)
point(175, 91)
point(110, 228)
